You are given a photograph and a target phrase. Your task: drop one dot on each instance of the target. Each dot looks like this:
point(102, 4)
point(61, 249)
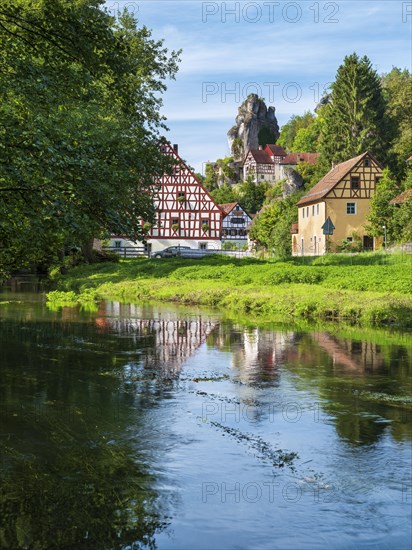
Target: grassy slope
point(372, 289)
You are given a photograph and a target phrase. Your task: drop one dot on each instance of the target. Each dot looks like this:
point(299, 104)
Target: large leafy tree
point(354, 119)
point(291, 129)
point(271, 227)
point(79, 125)
point(397, 90)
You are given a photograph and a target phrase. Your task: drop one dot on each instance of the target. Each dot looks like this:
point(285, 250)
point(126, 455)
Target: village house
point(235, 223)
point(186, 213)
point(269, 163)
point(339, 205)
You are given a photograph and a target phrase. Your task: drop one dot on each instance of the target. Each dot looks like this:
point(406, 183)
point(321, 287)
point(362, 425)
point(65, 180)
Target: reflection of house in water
point(164, 340)
point(256, 353)
point(351, 354)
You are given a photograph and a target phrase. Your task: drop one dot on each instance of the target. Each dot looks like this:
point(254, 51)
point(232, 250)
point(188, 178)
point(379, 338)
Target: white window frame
point(347, 208)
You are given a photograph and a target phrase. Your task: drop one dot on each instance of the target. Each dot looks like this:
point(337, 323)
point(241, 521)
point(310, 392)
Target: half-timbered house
point(235, 223)
point(186, 214)
point(342, 199)
point(264, 164)
point(269, 163)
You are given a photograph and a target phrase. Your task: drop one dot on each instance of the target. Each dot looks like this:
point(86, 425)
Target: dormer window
point(366, 162)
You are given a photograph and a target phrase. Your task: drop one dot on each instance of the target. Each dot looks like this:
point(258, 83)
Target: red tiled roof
point(294, 229)
point(295, 158)
point(332, 178)
point(275, 150)
point(403, 197)
point(260, 156)
point(227, 207)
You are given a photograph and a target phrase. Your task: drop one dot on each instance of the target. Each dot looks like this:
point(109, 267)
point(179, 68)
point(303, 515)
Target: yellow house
point(342, 200)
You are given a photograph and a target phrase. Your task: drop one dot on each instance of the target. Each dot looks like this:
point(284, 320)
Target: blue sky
point(285, 51)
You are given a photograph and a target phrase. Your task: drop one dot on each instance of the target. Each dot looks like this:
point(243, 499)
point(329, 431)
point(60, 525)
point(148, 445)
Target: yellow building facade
point(342, 197)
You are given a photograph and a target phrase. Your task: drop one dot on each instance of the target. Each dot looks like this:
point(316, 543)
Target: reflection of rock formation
point(170, 339)
point(253, 117)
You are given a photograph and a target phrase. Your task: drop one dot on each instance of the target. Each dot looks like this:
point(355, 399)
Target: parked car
point(172, 251)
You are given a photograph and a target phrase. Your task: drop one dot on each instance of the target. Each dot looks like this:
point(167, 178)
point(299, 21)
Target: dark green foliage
point(266, 135)
point(397, 90)
point(79, 126)
point(355, 120)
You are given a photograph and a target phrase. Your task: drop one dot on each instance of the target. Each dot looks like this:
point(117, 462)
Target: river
point(154, 426)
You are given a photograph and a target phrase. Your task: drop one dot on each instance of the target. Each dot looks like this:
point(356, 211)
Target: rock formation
point(293, 181)
point(252, 117)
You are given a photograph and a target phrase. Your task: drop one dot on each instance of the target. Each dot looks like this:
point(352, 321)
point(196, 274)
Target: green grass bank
point(367, 289)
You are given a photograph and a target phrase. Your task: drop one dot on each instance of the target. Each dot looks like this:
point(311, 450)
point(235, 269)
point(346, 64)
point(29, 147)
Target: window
point(303, 213)
point(262, 177)
point(203, 246)
point(313, 209)
point(317, 209)
point(233, 232)
point(377, 179)
point(117, 244)
point(175, 221)
point(350, 208)
point(237, 220)
point(367, 162)
point(354, 182)
point(307, 211)
point(224, 232)
point(349, 239)
point(181, 197)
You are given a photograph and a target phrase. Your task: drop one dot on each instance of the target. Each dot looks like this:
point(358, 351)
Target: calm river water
point(149, 426)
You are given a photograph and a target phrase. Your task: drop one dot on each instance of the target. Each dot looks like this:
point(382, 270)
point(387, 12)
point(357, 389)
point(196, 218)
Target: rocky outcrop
point(253, 116)
point(324, 100)
point(293, 181)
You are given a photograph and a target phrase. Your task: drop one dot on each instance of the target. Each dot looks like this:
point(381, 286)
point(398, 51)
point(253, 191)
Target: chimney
point(176, 148)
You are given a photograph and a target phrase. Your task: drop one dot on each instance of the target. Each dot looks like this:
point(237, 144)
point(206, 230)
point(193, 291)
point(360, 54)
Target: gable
point(338, 174)
point(359, 182)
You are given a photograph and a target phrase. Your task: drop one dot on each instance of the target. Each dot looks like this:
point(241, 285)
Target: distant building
point(402, 198)
point(341, 197)
point(235, 223)
point(268, 163)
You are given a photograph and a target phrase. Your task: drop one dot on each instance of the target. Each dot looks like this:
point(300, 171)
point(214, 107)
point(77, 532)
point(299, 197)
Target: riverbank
point(369, 289)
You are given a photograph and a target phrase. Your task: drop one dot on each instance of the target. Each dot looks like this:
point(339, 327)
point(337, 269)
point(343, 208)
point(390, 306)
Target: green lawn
point(366, 288)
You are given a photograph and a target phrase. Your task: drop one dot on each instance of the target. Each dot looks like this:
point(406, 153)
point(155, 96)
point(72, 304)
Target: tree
point(307, 139)
point(223, 194)
point(265, 136)
point(290, 129)
point(79, 126)
point(354, 120)
point(271, 227)
point(397, 90)
point(381, 212)
point(251, 195)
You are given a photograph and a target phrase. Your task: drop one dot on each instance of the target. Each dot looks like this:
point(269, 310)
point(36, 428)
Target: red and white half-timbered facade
point(186, 214)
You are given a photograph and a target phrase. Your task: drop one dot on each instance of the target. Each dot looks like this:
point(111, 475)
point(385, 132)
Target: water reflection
point(363, 386)
point(97, 409)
